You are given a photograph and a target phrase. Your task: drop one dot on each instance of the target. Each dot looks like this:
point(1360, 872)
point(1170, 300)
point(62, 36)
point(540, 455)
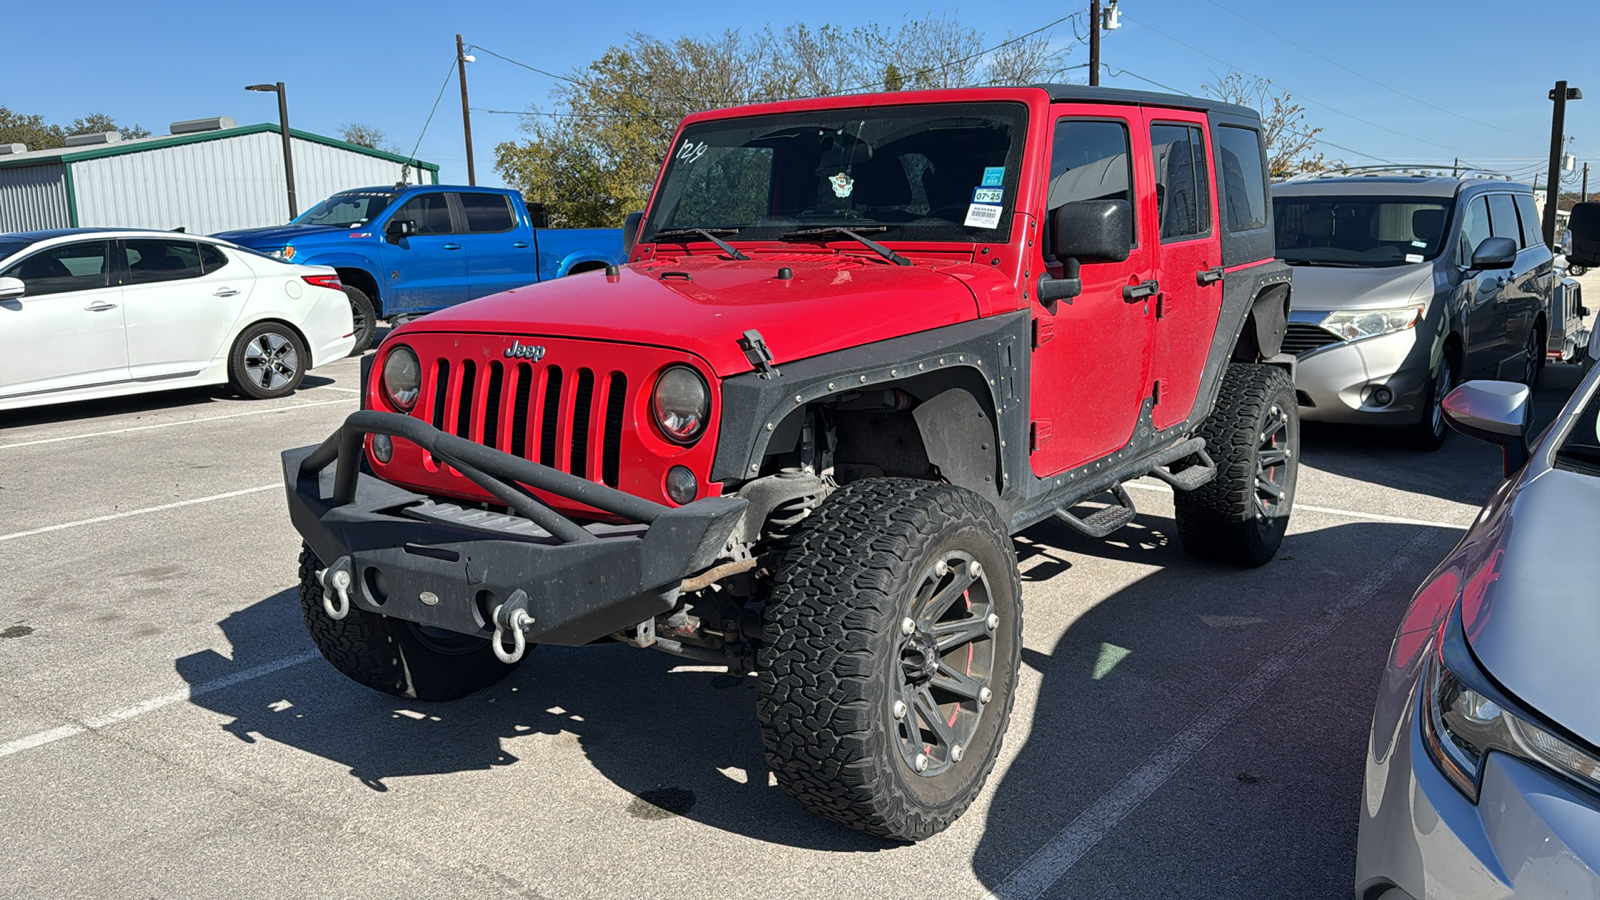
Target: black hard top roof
point(1082, 93)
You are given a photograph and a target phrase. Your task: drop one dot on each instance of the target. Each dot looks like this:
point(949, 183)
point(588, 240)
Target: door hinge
point(1161, 305)
point(1043, 331)
point(1039, 434)
point(1155, 394)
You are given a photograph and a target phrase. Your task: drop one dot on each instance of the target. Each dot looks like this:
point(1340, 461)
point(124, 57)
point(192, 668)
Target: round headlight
point(402, 377)
point(681, 403)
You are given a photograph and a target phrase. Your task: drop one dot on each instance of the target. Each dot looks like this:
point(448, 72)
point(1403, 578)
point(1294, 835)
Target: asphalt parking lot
point(167, 729)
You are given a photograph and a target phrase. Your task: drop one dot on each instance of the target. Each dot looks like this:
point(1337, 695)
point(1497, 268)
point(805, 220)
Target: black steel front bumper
point(450, 566)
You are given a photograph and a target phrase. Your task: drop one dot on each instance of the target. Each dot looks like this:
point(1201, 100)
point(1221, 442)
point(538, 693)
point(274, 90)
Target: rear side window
point(1474, 228)
point(1090, 161)
point(430, 213)
point(59, 270)
point(1244, 178)
point(1532, 231)
point(211, 258)
point(154, 260)
point(1183, 183)
point(487, 213)
point(1503, 218)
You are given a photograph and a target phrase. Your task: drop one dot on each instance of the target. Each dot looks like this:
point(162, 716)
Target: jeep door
point(1091, 357)
point(66, 331)
point(1189, 262)
point(180, 301)
point(428, 269)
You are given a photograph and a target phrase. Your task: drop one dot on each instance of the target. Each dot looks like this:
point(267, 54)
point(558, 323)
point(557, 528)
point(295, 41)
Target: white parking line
point(239, 415)
point(1326, 510)
point(334, 387)
point(1050, 862)
point(138, 709)
point(139, 512)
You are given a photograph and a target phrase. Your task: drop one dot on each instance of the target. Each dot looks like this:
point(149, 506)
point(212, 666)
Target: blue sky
point(382, 63)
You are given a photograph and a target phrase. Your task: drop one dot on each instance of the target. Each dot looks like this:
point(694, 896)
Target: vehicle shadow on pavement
point(682, 741)
point(1463, 470)
point(1267, 807)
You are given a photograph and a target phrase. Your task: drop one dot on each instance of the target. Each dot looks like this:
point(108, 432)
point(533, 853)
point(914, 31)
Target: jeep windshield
point(1359, 232)
point(350, 209)
point(929, 172)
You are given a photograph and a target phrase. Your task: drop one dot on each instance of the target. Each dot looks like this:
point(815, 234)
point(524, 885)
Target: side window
point(1474, 228)
point(487, 213)
point(1090, 161)
point(154, 259)
point(430, 212)
point(1503, 218)
point(1244, 178)
point(211, 258)
point(75, 267)
point(1183, 189)
point(1532, 229)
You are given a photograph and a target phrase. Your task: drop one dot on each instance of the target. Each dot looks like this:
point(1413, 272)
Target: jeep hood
point(1535, 624)
point(276, 236)
point(704, 305)
point(1327, 288)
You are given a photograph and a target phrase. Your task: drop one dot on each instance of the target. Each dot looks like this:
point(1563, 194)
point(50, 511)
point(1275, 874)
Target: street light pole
point(1552, 182)
point(466, 116)
point(283, 123)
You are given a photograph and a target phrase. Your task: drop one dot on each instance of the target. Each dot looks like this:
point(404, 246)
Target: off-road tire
point(832, 663)
point(1221, 521)
point(392, 655)
point(365, 318)
point(285, 362)
point(1429, 432)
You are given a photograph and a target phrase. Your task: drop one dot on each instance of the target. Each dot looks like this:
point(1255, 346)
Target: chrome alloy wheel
point(270, 361)
point(945, 665)
point(1272, 465)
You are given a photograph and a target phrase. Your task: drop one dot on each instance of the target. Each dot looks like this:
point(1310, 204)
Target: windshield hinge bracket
point(755, 350)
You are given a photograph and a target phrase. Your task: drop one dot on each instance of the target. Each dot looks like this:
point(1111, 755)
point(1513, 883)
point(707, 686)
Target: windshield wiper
point(855, 234)
point(682, 236)
point(1326, 262)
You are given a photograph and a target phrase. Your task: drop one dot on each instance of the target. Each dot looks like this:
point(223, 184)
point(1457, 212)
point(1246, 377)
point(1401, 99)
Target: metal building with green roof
point(207, 176)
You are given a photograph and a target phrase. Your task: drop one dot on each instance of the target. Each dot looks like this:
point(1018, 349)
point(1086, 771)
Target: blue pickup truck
point(406, 250)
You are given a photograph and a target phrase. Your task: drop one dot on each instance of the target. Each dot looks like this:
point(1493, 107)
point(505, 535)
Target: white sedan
point(88, 313)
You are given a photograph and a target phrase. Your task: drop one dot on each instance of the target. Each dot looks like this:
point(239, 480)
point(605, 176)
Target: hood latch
point(755, 350)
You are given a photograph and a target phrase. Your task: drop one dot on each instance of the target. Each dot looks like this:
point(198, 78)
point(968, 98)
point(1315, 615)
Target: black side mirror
point(630, 231)
point(1584, 226)
point(1085, 231)
point(538, 216)
point(1494, 253)
point(399, 228)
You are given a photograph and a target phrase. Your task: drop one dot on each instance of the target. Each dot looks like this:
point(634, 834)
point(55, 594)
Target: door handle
point(1133, 293)
point(100, 306)
point(452, 247)
point(224, 292)
point(1208, 276)
point(521, 245)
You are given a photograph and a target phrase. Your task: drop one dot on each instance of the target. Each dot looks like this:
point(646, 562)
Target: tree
point(364, 135)
point(100, 123)
point(1289, 139)
point(19, 128)
point(592, 156)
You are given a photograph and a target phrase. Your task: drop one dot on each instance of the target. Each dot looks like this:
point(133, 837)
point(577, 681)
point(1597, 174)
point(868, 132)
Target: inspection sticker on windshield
point(1413, 257)
point(983, 215)
point(994, 176)
point(988, 195)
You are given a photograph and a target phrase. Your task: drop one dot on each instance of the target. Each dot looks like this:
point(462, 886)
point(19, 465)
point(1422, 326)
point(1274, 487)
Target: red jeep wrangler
point(859, 343)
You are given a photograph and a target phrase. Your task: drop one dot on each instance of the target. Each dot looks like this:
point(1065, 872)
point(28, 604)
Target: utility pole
point(1094, 43)
point(1584, 196)
point(1552, 182)
point(466, 116)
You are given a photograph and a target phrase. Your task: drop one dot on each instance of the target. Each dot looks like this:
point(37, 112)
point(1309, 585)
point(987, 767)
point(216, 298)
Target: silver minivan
point(1406, 285)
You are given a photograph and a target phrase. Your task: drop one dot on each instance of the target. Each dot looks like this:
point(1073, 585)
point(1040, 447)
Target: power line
point(1364, 77)
point(447, 74)
point(1006, 43)
point(1308, 99)
point(1120, 72)
point(525, 65)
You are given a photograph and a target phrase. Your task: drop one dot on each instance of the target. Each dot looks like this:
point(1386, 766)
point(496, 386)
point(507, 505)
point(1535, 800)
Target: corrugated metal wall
point(219, 185)
point(33, 198)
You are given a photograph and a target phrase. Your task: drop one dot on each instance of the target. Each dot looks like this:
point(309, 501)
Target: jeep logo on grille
point(519, 350)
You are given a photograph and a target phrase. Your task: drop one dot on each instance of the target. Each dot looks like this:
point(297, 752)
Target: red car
point(858, 343)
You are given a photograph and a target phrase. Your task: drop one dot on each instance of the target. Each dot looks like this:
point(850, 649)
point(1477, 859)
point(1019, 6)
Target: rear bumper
point(450, 566)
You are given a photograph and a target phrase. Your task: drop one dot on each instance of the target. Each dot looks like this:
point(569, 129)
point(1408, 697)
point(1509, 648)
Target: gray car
point(1483, 769)
point(1405, 285)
